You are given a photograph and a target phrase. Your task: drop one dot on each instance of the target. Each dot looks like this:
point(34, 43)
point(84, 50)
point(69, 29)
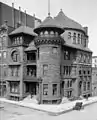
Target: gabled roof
point(49, 22)
point(23, 29)
point(67, 22)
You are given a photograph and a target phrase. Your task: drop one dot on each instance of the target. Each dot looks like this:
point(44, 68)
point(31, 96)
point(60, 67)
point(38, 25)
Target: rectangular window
point(54, 50)
point(54, 89)
point(66, 55)
point(14, 87)
point(67, 70)
point(45, 89)
point(69, 94)
point(12, 71)
point(84, 42)
point(84, 86)
point(17, 71)
point(88, 86)
point(45, 69)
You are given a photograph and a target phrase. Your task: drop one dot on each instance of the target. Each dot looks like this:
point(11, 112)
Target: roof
point(49, 22)
point(31, 47)
point(67, 22)
point(23, 29)
point(77, 47)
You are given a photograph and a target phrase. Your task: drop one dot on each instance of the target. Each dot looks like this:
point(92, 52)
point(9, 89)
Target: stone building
point(94, 61)
point(52, 61)
point(10, 19)
point(94, 75)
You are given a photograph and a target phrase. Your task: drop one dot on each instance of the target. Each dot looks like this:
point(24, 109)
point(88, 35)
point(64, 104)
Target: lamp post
point(40, 89)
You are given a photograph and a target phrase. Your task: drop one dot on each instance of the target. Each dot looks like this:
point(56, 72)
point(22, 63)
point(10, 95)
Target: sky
point(82, 11)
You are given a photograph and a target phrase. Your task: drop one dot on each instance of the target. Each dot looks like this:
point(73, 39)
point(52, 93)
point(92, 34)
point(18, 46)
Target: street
point(13, 112)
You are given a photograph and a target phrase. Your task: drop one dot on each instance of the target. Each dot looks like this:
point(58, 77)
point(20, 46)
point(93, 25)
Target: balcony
point(31, 58)
point(30, 78)
point(30, 62)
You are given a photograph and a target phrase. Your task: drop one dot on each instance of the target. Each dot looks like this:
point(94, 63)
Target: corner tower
point(48, 44)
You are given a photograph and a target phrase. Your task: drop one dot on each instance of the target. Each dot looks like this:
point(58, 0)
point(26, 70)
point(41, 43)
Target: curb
point(49, 112)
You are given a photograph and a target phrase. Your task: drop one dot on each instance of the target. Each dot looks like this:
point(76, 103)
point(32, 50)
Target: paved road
point(13, 112)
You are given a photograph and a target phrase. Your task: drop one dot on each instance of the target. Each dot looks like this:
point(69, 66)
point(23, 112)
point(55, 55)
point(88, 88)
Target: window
point(69, 35)
point(67, 70)
point(84, 42)
point(81, 38)
point(84, 72)
point(78, 38)
point(15, 56)
point(88, 86)
point(84, 86)
point(45, 69)
point(69, 83)
point(12, 71)
point(21, 40)
point(80, 72)
point(74, 38)
point(54, 89)
point(66, 55)
point(69, 94)
point(4, 54)
point(14, 87)
point(54, 50)
point(38, 53)
point(17, 71)
point(31, 56)
point(45, 89)
point(31, 70)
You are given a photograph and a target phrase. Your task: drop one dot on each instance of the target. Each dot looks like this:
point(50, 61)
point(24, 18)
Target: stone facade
point(54, 64)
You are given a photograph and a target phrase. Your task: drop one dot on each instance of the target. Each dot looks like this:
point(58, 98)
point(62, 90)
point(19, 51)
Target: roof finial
point(48, 7)
point(61, 9)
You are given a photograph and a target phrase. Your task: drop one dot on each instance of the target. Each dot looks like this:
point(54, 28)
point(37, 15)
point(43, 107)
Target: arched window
point(69, 35)
point(78, 38)
point(15, 56)
point(74, 38)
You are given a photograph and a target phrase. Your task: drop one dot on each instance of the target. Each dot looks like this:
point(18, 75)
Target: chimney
point(19, 15)
point(86, 30)
point(25, 18)
point(13, 16)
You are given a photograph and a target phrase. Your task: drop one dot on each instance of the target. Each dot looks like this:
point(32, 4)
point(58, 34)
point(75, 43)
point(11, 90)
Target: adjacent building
point(52, 61)
point(10, 19)
point(94, 75)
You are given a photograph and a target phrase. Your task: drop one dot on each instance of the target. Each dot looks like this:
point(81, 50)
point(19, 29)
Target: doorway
point(31, 88)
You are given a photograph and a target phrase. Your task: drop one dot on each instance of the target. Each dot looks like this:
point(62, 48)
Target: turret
point(48, 44)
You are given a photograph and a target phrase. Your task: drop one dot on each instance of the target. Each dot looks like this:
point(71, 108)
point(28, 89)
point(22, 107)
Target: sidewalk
point(52, 109)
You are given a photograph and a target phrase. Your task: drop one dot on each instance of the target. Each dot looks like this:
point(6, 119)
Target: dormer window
point(78, 38)
point(74, 38)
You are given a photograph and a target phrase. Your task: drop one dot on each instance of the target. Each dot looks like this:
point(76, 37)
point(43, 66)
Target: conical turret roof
point(49, 23)
point(67, 22)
